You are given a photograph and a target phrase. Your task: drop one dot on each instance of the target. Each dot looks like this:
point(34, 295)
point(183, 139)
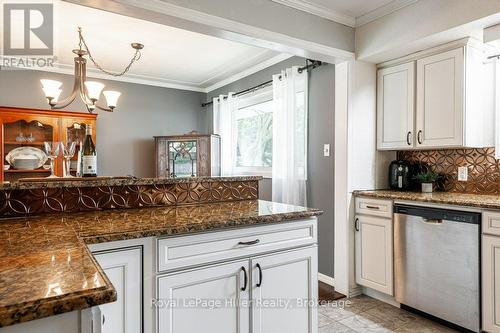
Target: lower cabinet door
point(212, 299)
point(491, 283)
point(374, 253)
point(284, 289)
point(124, 270)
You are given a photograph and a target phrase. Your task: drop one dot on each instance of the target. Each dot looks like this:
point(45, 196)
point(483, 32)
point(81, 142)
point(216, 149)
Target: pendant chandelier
point(89, 91)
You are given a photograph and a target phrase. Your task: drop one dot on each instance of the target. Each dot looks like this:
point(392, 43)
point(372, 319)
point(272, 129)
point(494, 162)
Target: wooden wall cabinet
point(190, 155)
point(30, 127)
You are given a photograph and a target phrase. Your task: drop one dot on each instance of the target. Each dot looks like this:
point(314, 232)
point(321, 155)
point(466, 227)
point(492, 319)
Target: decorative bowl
point(26, 158)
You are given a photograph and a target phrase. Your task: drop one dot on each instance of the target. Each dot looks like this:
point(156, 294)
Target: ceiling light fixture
point(89, 91)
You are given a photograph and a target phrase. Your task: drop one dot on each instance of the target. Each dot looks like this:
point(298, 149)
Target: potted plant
point(427, 180)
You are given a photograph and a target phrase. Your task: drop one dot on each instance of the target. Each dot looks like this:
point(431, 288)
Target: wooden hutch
point(31, 127)
point(188, 155)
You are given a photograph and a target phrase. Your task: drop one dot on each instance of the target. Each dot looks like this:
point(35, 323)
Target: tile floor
point(365, 314)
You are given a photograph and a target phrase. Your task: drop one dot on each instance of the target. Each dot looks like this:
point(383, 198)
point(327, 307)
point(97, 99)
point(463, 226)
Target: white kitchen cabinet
point(395, 106)
point(228, 284)
point(445, 103)
point(291, 277)
point(124, 269)
point(440, 99)
point(374, 253)
point(491, 283)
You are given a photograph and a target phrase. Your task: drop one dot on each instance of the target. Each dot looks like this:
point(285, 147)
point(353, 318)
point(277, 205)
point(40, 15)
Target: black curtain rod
point(312, 65)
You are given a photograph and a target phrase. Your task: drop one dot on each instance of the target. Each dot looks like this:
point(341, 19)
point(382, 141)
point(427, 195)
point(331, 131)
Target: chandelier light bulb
point(94, 89)
point(51, 88)
point(112, 98)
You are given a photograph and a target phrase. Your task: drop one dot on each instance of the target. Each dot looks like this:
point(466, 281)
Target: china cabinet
point(22, 127)
point(189, 155)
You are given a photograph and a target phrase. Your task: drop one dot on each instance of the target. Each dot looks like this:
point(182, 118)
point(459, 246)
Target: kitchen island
point(47, 267)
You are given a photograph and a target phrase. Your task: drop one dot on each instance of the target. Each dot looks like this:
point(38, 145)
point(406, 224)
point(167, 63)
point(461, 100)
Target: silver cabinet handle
point(356, 224)
point(408, 138)
point(373, 207)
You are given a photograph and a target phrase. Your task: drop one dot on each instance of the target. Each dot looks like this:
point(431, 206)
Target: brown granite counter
point(44, 183)
point(46, 267)
point(448, 198)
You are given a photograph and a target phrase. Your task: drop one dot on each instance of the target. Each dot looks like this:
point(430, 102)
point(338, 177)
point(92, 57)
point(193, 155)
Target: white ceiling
point(349, 12)
point(171, 57)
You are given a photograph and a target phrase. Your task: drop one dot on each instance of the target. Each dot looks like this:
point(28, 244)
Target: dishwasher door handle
point(432, 221)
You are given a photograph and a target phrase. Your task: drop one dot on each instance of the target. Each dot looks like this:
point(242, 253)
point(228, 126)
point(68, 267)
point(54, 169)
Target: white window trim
point(260, 96)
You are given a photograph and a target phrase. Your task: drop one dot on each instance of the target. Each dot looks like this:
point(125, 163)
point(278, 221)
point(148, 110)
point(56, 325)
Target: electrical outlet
point(326, 149)
point(462, 173)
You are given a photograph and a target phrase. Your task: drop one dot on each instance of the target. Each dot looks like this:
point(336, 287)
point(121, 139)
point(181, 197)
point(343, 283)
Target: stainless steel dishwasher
point(436, 263)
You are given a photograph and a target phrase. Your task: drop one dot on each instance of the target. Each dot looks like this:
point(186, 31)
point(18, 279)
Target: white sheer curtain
point(223, 110)
point(290, 137)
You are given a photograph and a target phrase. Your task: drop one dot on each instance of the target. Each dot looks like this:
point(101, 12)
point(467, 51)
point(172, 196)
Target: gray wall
point(320, 189)
point(124, 137)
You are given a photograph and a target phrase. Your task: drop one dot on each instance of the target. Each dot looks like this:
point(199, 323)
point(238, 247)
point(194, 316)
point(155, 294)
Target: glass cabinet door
point(74, 131)
point(182, 158)
point(22, 139)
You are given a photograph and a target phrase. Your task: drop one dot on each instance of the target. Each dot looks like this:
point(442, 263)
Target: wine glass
point(68, 151)
point(52, 151)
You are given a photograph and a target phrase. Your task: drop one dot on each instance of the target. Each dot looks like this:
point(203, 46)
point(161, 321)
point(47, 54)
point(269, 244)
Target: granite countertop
point(46, 267)
point(40, 183)
point(449, 198)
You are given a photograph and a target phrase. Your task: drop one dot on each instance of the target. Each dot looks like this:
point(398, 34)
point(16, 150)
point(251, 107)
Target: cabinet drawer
point(193, 250)
point(491, 222)
point(375, 207)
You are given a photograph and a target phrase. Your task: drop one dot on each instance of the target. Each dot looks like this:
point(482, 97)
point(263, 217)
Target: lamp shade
point(51, 88)
point(94, 89)
point(56, 96)
point(112, 97)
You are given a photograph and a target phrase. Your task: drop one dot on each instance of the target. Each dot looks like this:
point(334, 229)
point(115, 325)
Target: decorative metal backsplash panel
point(484, 169)
point(20, 202)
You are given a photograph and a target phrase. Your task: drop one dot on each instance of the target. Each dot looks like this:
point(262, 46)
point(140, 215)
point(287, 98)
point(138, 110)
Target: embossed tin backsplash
point(483, 168)
point(30, 199)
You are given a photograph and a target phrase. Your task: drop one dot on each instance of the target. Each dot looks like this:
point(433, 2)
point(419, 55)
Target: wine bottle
point(89, 155)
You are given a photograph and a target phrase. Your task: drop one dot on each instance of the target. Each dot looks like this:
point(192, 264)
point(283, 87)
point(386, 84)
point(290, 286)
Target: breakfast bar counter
point(47, 269)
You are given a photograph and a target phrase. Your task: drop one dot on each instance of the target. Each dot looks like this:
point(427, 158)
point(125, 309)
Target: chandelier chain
point(136, 57)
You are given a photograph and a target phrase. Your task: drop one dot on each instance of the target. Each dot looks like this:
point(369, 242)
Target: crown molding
point(249, 71)
point(94, 73)
point(67, 69)
point(320, 11)
point(382, 11)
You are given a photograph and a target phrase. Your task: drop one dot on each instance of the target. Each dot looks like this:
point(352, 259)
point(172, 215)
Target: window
point(253, 134)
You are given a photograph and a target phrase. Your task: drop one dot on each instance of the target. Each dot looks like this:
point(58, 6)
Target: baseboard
point(326, 279)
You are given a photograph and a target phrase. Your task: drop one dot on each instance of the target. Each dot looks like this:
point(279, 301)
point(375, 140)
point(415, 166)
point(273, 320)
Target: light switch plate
point(326, 149)
point(463, 173)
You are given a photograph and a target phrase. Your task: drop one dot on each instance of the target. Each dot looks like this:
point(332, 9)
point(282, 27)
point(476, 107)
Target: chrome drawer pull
point(373, 207)
point(257, 241)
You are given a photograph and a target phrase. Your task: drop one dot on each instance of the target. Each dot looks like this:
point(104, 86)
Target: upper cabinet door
point(440, 100)
point(395, 106)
